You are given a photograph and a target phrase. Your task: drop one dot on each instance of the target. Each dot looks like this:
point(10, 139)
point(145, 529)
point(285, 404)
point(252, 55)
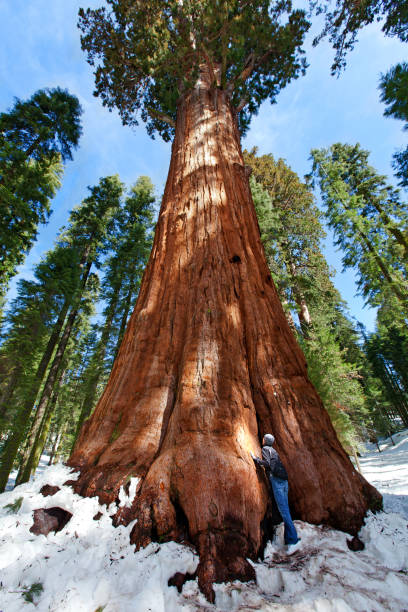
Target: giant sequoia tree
point(208, 363)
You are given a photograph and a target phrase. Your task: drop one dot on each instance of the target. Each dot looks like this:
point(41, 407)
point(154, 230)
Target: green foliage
point(346, 18)
point(45, 125)
point(394, 93)
point(129, 244)
point(386, 350)
point(36, 136)
point(15, 506)
point(394, 89)
point(291, 232)
point(30, 593)
point(30, 321)
point(91, 221)
point(369, 221)
point(70, 295)
point(148, 54)
point(113, 232)
point(25, 204)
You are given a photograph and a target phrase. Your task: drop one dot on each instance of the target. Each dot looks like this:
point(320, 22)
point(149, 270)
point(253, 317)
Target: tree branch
point(244, 75)
point(210, 65)
point(251, 63)
point(161, 116)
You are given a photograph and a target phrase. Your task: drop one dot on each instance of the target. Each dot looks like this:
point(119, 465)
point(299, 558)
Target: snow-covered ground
point(90, 566)
point(388, 472)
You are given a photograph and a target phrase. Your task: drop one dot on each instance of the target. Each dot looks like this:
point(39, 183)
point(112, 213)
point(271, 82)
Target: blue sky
point(41, 48)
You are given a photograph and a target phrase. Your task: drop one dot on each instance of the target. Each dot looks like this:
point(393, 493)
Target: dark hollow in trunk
point(207, 366)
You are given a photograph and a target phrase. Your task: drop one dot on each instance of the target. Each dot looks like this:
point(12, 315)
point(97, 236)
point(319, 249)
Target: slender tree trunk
point(303, 313)
point(58, 450)
point(29, 466)
point(50, 382)
point(32, 147)
point(20, 425)
point(395, 391)
point(391, 438)
point(392, 228)
point(9, 390)
point(98, 359)
point(55, 445)
point(125, 315)
point(207, 365)
point(388, 275)
point(288, 314)
point(356, 459)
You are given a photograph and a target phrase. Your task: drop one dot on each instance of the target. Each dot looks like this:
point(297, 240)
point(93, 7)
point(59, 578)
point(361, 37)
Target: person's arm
point(259, 461)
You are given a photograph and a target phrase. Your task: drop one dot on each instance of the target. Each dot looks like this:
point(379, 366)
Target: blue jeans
point(280, 492)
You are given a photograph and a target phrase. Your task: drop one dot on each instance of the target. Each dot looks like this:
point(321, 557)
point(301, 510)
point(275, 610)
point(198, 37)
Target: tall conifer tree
point(369, 221)
point(36, 136)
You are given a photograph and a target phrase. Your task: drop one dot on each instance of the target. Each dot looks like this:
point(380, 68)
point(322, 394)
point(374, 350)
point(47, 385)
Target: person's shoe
point(292, 548)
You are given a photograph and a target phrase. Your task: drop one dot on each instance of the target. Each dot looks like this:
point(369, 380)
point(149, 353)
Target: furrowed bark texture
point(208, 364)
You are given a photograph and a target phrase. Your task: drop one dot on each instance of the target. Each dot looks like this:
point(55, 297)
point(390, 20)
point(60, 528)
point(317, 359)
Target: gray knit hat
point(268, 440)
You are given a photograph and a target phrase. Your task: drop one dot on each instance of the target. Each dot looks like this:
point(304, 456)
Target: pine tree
point(36, 136)
point(208, 363)
point(395, 406)
point(369, 221)
point(37, 439)
point(394, 93)
point(130, 246)
point(31, 327)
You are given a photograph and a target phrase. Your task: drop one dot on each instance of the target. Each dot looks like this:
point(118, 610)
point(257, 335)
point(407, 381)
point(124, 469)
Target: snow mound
point(87, 565)
point(90, 566)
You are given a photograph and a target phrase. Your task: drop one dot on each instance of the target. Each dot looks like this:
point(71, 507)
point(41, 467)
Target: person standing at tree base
point(278, 478)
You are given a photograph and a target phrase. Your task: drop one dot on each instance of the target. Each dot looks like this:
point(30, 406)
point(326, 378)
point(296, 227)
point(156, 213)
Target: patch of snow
point(90, 564)
point(126, 499)
point(87, 564)
point(388, 472)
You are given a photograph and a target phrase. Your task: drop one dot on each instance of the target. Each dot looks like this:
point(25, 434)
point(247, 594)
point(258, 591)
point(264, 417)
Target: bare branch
point(210, 65)
point(250, 63)
point(161, 116)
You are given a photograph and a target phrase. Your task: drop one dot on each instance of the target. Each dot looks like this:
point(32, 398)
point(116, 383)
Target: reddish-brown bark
point(209, 364)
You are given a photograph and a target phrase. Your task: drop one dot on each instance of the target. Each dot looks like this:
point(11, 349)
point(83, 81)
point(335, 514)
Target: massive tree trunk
point(208, 364)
